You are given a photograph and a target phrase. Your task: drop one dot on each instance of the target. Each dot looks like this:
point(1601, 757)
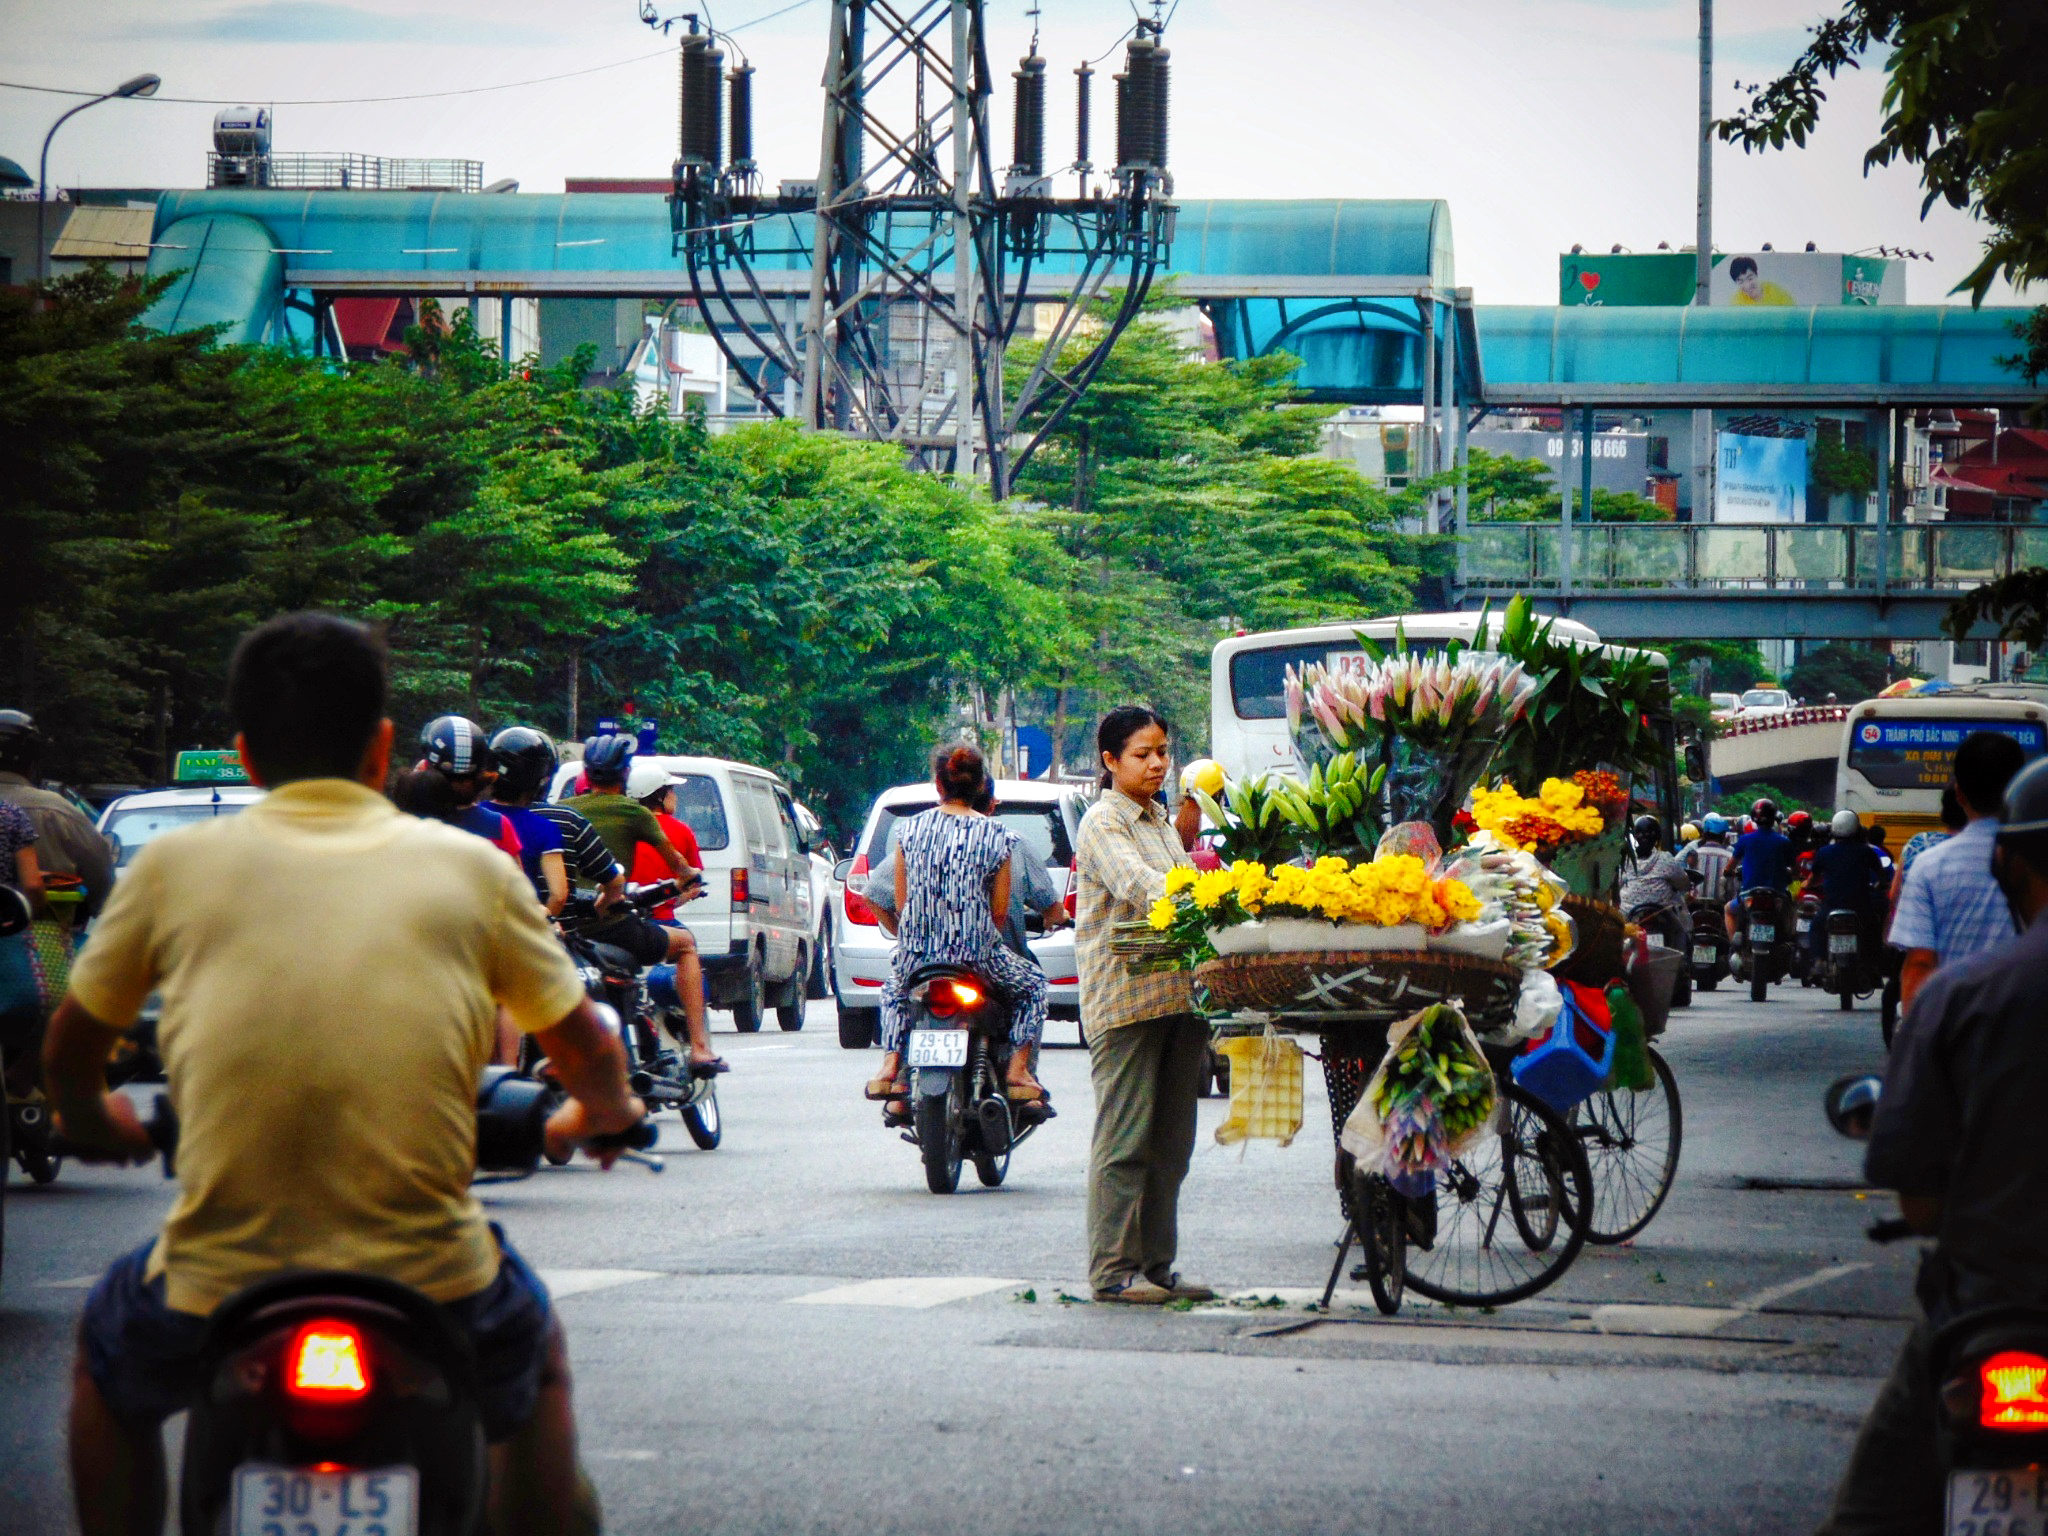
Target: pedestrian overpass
point(1364, 292)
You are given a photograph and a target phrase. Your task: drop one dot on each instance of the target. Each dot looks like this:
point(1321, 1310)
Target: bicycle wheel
point(1631, 1142)
point(1479, 1253)
point(1386, 1243)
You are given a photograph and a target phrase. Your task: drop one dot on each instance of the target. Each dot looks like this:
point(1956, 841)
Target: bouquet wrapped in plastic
point(1431, 1098)
point(1513, 883)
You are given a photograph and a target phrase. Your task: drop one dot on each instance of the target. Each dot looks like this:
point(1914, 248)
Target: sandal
point(1025, 1093)
point(896, 1115)
point(884, 1088)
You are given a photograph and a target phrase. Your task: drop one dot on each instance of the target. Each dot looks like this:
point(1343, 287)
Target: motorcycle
point(1673, 927)
point(659, 1072)
point(957, 1050)
point(1709, 944)
point(1849, 969)
point(1763, 952)
point(1990, 1375)
point(1806, 914)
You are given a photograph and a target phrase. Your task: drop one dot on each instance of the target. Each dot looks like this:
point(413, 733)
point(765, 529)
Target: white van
point(756, 925)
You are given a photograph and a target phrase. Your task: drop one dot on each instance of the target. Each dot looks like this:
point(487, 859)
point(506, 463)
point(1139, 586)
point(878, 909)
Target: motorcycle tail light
point(946, 998)
point(327, 1364)
point(2014, 1398)
point(1073, 885)
point(858, 909)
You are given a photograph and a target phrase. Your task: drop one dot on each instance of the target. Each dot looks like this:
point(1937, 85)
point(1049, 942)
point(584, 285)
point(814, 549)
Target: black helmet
point(1647, 829)
point(2023, 821)
point(609, 757)
point(527, 761)
point(1765, 812)
point(455, 746)
point(21, 744)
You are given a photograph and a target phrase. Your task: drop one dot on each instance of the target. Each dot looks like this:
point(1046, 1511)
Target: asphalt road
point(790, 1335)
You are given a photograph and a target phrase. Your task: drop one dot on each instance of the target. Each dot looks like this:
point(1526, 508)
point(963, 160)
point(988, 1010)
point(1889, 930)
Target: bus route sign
point(1920, 754)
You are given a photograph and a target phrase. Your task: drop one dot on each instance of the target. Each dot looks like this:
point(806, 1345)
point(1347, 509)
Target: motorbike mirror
point(842, 871)
point(15, 913)
point(1851, 1105)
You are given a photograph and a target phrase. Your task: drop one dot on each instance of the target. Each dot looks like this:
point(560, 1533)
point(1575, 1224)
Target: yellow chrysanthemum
point(1179, 878)
point(1457, 899)
point(1163, 913)
point(1210, 888)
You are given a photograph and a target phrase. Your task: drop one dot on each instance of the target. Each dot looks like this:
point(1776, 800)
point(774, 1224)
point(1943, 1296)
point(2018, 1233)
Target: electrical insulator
point(740, 104)
point(1084, 78)
point(1028, 148)
point(1141, 91)
point(703, 69)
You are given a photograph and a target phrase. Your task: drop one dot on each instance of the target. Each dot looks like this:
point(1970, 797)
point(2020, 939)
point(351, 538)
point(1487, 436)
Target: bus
point(1248, 694)
point(1897, 755)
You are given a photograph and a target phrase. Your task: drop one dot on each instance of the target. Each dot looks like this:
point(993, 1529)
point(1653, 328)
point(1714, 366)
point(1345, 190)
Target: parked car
point(756, 924)
point(132, 821)
point(1044, 815)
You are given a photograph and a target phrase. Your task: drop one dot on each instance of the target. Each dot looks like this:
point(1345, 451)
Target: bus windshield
point(1919, 753)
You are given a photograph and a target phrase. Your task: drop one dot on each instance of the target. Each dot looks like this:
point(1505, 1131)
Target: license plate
point(1841, 943)
point(1805, 925)
point(1997, 1503)
point(938, 1047)
point(1763, 933)
point(295, 1501)
point(1705, 954)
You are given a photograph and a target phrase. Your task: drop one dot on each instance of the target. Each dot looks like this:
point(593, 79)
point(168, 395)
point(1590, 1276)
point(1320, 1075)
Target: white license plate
point(296, 1501)
point(1763, 933)
point(1805, 925)
point(1841, 943)
point(1705, 954)
point(1997, 1503)
point(938, 1047)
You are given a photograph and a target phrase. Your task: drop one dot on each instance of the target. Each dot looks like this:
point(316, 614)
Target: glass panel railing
point(1649, 554)
point(2029, 547)
point(1591, 566)
point(1812, 555)
point(1544, 548)
point(1906, 554)
point(1731, 554)
point(1497, 554)
point(1967, 555)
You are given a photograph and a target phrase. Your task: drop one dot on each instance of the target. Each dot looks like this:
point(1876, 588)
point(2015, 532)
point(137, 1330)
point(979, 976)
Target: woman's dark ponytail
point(959, 773)
point(1116, 731)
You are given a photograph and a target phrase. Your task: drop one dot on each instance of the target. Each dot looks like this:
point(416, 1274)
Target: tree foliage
point(1850, 672)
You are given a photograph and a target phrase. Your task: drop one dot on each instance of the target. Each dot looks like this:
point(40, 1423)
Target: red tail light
point(2013, 1397)
point(739, 889)
point(327, 1364)
point(1073, 885)
point(857, 908)
point(946, 998)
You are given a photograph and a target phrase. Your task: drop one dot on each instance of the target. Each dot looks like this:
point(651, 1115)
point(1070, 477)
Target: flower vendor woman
point(1147, 1048)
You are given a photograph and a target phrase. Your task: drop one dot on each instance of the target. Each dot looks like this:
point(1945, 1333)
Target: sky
point(1543, 123)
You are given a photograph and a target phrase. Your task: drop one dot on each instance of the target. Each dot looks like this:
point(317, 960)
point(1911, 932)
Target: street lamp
point(141, 85)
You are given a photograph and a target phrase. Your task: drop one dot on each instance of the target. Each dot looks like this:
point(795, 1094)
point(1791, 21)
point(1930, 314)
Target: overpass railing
point(1733, 557)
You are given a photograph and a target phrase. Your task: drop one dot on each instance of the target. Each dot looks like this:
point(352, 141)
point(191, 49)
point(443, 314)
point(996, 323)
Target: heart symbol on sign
point(1589, 281)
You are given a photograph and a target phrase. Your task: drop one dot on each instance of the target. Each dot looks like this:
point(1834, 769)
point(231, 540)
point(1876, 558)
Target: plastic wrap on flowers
point(1432, 1097)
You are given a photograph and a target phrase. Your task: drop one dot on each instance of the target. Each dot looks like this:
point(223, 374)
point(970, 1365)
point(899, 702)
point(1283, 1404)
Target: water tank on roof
point(241, 148)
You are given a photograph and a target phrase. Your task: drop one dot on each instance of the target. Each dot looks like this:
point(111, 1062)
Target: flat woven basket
point(1380, 983)
point(1598, 958)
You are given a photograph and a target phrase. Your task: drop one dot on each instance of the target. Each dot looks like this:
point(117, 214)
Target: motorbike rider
point(625, 824)
point(527, 761)
point(1655, 886)
point(1708, 861)
point(1763, 860)
point(1850, 878)
point(654, 787)
point(1955, 1135)
point(325, 1092)
point(456, 749)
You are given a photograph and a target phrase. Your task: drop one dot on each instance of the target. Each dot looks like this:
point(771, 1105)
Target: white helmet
point(645, 776)
point(1846, 824)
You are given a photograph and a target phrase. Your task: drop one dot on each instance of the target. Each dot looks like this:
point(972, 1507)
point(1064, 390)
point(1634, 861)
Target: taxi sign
point(219, 766)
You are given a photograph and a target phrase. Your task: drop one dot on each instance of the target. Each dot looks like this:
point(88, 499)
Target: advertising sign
point(1654, 277)
point(221, 766)
point(1920, 754)
point(1870, 280)
point(1796, 279)
point(1759, 479)
point(1621, 460)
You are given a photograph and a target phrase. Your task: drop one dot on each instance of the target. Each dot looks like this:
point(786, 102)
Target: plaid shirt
point(1949, 902)
point(1124, 852)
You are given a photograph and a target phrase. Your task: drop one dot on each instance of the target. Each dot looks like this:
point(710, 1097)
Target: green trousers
point(1147, 1077)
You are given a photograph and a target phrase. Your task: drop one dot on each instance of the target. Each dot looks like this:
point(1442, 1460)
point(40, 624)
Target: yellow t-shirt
point(328, 969)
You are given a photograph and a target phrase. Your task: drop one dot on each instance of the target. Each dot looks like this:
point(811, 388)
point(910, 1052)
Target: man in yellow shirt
point(330, 971)
point(1752, 287)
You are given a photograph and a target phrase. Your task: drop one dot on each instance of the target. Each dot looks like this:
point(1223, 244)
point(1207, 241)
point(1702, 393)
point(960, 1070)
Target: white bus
point(1898, 755)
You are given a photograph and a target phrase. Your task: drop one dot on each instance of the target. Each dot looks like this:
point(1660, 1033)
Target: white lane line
point(75, 1283)
point(576, 1282)
point(622, 1455)
point(1770, 1296)
point(904, 1291)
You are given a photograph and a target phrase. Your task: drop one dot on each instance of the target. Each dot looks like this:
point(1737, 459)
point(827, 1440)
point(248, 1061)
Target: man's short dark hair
point(1740, 267)
point(1985, 764)
point(306, 691)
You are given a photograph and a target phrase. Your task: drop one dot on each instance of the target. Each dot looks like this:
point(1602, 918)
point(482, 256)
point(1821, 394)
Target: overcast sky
point(1542, 122)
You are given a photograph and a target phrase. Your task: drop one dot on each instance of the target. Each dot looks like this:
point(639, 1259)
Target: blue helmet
point(608, 757)
point(1715, 825)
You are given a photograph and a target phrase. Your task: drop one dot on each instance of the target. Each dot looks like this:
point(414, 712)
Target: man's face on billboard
point(1751, 283)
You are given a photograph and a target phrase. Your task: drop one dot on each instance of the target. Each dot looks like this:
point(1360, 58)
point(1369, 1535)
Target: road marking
point(76, 1283)
point(905, 1291)
point(623, 1455)
point(1770, 1296)
point(575, 1282)
point(1627, 1317)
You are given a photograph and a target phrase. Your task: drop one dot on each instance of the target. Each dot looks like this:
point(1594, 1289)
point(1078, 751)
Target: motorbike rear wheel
point(700, 1119)
point(938, 1121)
point(1757, 984)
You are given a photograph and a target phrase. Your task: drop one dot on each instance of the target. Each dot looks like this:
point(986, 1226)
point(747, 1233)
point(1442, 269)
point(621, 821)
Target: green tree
point(1849, 672)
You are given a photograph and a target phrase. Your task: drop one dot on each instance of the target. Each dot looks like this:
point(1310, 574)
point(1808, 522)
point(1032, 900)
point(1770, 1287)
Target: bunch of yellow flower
point(1559, 814)
point(1389, 891)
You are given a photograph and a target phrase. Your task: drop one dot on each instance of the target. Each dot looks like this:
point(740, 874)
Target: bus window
point(1919, 753)
point(1258, 679)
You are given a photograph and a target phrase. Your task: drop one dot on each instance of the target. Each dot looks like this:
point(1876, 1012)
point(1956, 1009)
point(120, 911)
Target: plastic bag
point(1416, 837)
point(1536, 1006)
point(1631, 1068)
point(1265, 1089)
point(1416, 1114)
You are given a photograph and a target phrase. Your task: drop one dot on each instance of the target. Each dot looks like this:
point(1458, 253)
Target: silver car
point(1043, 815)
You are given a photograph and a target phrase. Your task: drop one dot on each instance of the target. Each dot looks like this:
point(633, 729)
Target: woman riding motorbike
point(952, 896)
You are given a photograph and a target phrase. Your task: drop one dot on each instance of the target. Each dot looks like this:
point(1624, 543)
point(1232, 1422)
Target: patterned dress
point(948, 861)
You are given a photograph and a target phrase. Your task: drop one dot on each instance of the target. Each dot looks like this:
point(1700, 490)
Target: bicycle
point(1631, 1140)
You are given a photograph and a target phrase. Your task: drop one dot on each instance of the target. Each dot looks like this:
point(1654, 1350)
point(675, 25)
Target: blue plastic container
point(1573, 1060)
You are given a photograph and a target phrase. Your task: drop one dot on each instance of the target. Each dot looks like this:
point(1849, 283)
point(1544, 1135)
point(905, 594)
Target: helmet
point(2023, 821)
point(527, 760)
point(1846, 824)
point(1716, 825)
point(455, 746)
point(1764, 813)
point(645, 776)
point(21, 744)
point(1799, 821)
point(1646, 829)
point(1688, 833)
point(608, 757)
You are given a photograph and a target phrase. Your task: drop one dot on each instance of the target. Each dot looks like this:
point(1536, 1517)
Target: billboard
point(1621, 460)
point(1759, 479)
point(1655, 277)
point(1782, 279)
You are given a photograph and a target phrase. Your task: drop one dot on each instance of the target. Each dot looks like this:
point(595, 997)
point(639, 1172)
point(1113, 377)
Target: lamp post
point(141, 85)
